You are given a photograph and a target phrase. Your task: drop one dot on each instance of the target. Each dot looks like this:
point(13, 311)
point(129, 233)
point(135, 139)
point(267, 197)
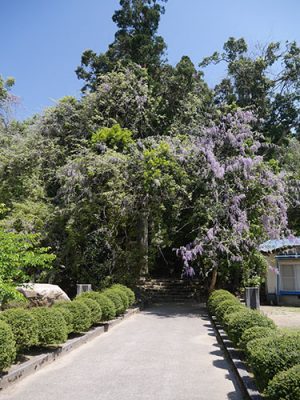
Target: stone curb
point(35, 363)
point(246, 381)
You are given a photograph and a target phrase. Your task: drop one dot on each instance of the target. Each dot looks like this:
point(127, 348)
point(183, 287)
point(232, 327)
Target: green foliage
point(285, 385)
point(21, 258)
point(24, 327)
point(128, 291)
point(52, 327)
point(115, 297)
point(273, 354)
point(254, 269)
point(255, 332)
point(135, 41)
point(249, 83)
point(115, 137)
point(217, 297)
point(94, 307)
point(239, 321)
point(82, 317)
point(222, 307)
point(7, 346)
point(67, 315)
point(107, 306)
point(231, 310)
point(123, 295)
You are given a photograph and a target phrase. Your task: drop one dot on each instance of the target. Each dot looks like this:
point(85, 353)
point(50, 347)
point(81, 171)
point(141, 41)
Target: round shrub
point(216, 297)
point(285, 385)
point(123, 295)
point(273, 354)
point(95, 309)
point(7, 346)
point(255, 332)
point(232, 310)
point(239, 321)
point(128, 291)
point(116, 299)
point(52, 328)
point(67, 314)
point(23, 325)
point(222, 307)
point(82, 318)
point(107, 306)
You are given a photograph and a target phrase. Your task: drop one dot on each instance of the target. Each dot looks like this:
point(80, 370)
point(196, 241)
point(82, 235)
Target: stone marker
point(42, 294)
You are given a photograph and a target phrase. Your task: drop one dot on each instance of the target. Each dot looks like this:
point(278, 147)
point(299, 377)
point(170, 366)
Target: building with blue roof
point(283, 275)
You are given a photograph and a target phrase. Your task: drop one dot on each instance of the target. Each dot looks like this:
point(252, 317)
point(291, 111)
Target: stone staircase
point(170, 290)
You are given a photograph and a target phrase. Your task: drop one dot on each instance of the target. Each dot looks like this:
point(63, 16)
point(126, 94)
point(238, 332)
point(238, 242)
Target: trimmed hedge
point(116, 299)
point(270, 355)
point(128, 291)
point(82, 317)
point(216, 297)
point(239, 321)
point(268, 351)
point(107, 306)
point(67, 314)
point(123, 295)
point(24, 327)
point(52, 327)
point(231, 310)
point(223, 306)
point(7, 346)
point(95, 309)
point(255, 332)
point(285, 385)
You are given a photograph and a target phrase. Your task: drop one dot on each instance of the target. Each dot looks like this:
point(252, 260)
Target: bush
point(18, 303)
point(116, 299)
point(82, 318)
point(128, 291)
point(107, 306)
point(273, 354)
point(7, 346)
point(52, 328)
point(255, 332)
point(216, 297)
point(285, 385)
point(239, 321)
point(23, 325)
point(95, 309)
point(232, 310)
point(123, 295)
point(67, 314)
point(222, 307)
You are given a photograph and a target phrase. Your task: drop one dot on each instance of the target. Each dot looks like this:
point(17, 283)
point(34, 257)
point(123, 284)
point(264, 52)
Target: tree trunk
point(142, 239)
point(213, 280)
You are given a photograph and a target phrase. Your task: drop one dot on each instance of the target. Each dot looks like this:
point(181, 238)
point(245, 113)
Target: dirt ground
point(284, 317)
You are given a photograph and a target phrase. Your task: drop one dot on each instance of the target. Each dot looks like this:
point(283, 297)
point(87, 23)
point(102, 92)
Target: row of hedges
point(274, 355)
point(21, 329)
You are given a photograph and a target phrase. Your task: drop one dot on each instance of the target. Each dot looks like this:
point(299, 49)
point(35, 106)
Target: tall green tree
point(136, 41)
point(267, 83)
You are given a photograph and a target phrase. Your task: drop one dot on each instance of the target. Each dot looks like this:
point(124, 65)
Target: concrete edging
point(246, 381)
point(35, 363)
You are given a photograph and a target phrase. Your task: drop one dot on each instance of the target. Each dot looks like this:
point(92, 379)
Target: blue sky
point(42, 40)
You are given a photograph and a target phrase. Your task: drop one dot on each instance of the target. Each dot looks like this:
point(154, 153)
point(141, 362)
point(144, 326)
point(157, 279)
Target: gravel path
point(167, 352)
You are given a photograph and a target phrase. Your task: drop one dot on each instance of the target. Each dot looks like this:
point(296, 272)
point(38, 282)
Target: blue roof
point(271, 245)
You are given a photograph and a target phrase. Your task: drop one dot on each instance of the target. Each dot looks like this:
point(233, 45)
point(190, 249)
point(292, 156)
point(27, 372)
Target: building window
point(289, 277)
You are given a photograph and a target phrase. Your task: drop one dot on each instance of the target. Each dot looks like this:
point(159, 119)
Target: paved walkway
point(164, 353)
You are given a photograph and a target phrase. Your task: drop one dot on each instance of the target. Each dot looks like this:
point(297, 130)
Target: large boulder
point(43, 294)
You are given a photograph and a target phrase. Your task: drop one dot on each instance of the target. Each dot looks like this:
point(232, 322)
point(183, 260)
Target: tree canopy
point(150, 160)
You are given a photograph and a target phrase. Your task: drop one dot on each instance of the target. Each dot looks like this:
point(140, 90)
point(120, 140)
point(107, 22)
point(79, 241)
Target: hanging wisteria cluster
point(242, 198)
